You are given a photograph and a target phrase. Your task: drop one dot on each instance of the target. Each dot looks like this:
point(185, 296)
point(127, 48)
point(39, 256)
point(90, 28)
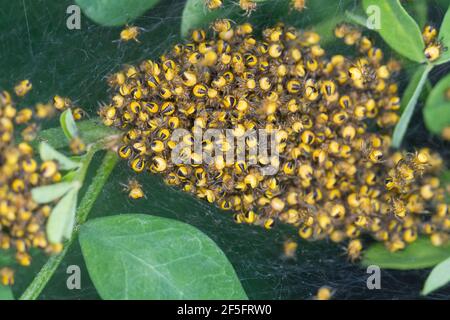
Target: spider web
point(36, 44)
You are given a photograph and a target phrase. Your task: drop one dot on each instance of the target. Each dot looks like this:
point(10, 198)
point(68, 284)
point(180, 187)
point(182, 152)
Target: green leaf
point(114, 13)
point(418, 255)
point(442, 3)
point(6, 258)
point(419, 10)
point(47, 152)
point(444, 34)
point(68, 124)
point(445, 180)
point(155, 258)
point(46, 194)
point(402, 125)
point(70, 176)
point(90, 130)
point(439, 277)
point(446, 177)
point(398, 29)
point(62, 218)
point(436, 112)
point(6, 293)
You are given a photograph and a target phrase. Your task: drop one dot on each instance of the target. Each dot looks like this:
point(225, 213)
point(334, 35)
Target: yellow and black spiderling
point(23, 87)
point(248, 6)
point(213, 4)
point(337, 179)
point(130, 33)
point(134, 189)
point(433, 46)
point(22, 220)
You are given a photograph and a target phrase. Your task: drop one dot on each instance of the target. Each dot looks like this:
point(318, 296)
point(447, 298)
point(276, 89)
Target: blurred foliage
point(418, 255)
point(114, 13)
point(437, 108)
point(438, 277)
point(6, 293)
point(444, 35)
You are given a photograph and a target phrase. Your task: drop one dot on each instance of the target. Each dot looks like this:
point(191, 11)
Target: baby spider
point(298, 5)
point(23, 88)
point(289, 249)
point(213, 4)
point(134, 189)
point(130, 33)
point(248, 6)
point(324, 293)
point(434, 50)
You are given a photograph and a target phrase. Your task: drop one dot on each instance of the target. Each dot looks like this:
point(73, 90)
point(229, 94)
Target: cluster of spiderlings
point(22, 220)
point(336, 179)
point(433, 46)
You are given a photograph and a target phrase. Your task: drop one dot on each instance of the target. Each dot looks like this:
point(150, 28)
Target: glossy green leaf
point(418, 10)
point(62, 218)
point(6, 293)
point(68, 124)
point(90, 130)
point(439, 277)
point(137, 256)
point(46, 194)
point(47, 152)
point(402, 125)
point(436, 112)
point(69, 176)
point(444, 35)
point(114, 12)
point(418, 255)
point(398, 28)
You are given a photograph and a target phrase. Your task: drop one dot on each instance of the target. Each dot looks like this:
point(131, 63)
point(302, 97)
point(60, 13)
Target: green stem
point(402, 125)
point(103, 172)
